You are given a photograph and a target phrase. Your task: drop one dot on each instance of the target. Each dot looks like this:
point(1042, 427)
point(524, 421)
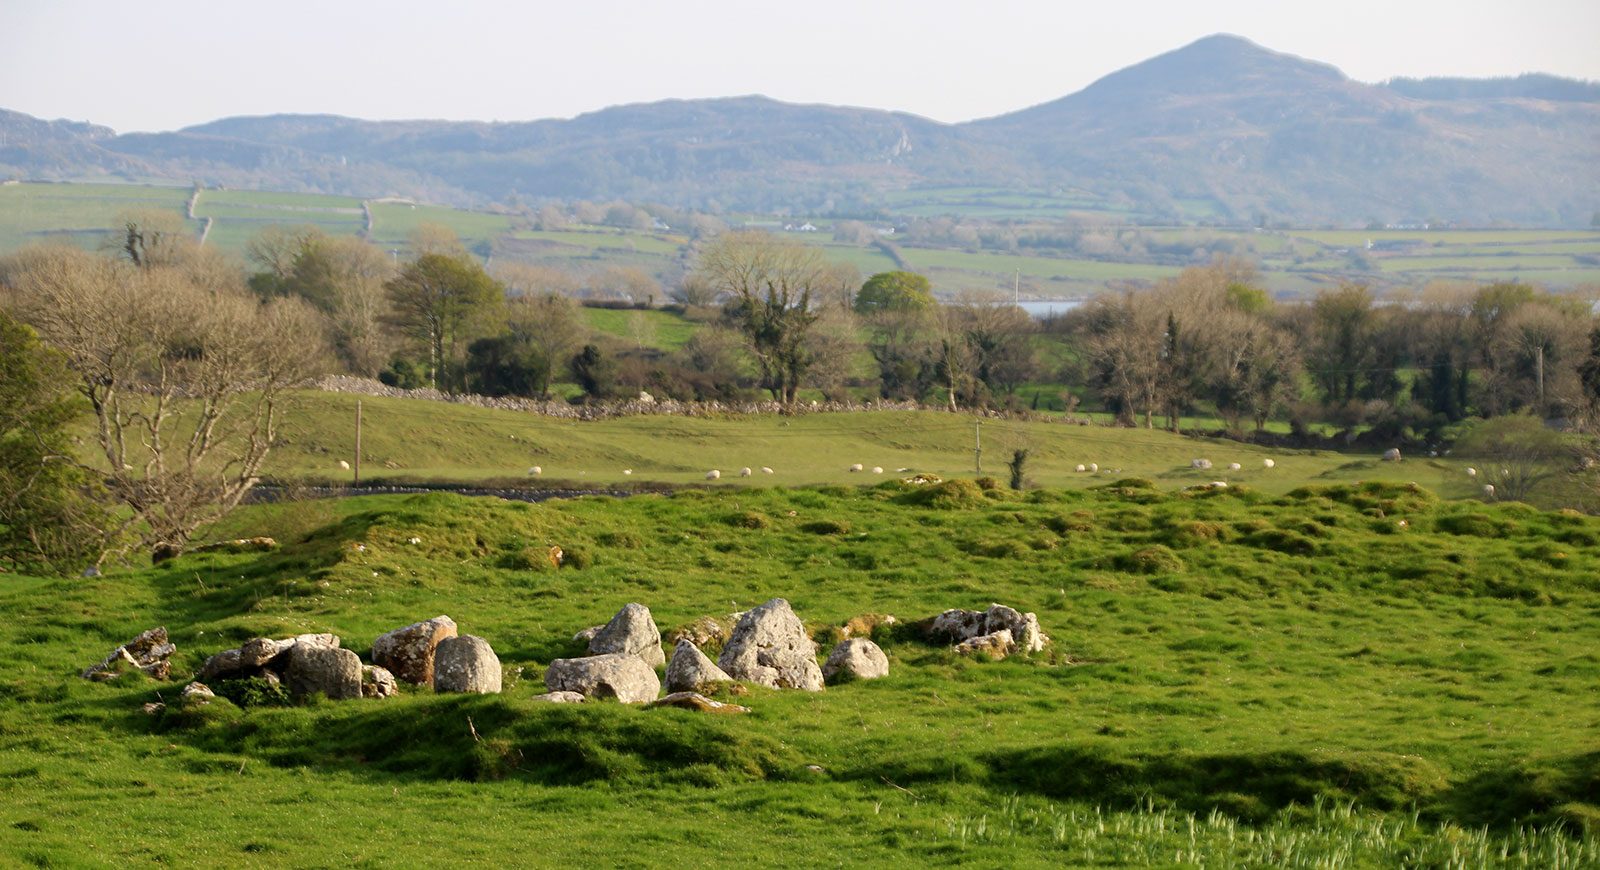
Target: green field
point(663, 329)
point(1342, 676)
point(1291, 262)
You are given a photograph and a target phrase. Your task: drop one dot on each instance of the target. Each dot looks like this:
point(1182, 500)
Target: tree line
point(186, 359)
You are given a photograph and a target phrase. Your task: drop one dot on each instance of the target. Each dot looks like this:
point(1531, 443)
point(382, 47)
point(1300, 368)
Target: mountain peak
point(1220, 63)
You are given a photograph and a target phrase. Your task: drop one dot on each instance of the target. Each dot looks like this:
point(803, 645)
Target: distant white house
point(806, 227)
point(884, 231)
point(658, 225)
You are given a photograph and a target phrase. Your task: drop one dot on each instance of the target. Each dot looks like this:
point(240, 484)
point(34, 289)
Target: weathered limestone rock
point(631, 631)
point(466, 664)
point(960, 625)
point(260, 656)
point(220, 665)
point(1391, 455)
point(613, 675)
point(333, 672)
point(706, 629)
point(587, 634)
point(769, 647)
point(198, 691)
point(257, 651)
point(408, 652)
point(699, 703)
point(997, 645)
point(1200, 463)
point(377, 682)
point(148, 652)
point(858, 657)
point(690, 668)
point(560, 698)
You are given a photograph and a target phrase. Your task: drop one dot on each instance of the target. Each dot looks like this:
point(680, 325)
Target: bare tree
point(186, 379)
point(772, 284)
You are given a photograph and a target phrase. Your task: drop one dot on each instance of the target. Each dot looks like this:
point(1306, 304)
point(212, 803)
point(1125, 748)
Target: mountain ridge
point(1260, 134)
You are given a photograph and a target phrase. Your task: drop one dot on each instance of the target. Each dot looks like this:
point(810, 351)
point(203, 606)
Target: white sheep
point(713, 474)
point(1081, 468)
point(856, 467)
point(535, 470)
point(744, 472)
point(1472, 472)
point(344, 465)
point(1234, 466)
point(765, 470)
point(877, 469)
point(1268, 463)
point(1488, 490)
point(1094, 466)
point(627, 471)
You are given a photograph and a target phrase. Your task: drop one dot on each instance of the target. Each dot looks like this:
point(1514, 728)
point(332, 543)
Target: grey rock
point(997, 645)
point(1391, 455)
point(1200, 463)
point(199, 691)
point(631, 631)
point(587, 634)
point(699, 703)
point(377, 682)
point(148, 652)
point(690, 668)
point(257, 651)
point(408, 652)
point(858, 657)
point(613, 675)
point(466, 663)
point(560, 698)
point(769, 647)
point(960, 625)
point(221, 665)
point(333, 672)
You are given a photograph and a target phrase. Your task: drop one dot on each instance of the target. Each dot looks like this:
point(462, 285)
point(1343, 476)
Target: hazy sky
point(159, 65)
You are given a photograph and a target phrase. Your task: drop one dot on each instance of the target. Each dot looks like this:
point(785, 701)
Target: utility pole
point(1016, 288)
point(977, 444)
point(358, 443)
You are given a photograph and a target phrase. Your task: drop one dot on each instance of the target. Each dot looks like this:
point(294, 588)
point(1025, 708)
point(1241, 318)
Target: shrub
point(252, 692)
point(987, 483)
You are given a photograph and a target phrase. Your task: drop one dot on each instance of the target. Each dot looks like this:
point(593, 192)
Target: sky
point(165, 64)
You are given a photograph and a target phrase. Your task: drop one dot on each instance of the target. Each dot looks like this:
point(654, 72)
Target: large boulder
point(631, 631)
point(466, 664)
point(613, 675)
point(332, 671)
point(408, 652)
point(858, 657)
point(770, 647)
point(260, 656)
point(960, 625)
point(690, 668)
point(148, 652)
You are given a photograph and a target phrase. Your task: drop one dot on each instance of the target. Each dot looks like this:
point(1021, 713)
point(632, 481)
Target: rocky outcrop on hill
point(148, 653)
point(631, 631)
point(613, 675)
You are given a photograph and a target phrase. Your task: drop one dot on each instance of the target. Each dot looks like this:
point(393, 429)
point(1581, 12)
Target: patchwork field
point(1292, 261)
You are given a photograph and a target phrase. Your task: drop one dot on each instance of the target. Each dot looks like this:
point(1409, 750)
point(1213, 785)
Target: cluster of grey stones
point(767, 646)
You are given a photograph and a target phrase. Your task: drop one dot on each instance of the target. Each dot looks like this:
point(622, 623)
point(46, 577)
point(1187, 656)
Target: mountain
point(1254, 134)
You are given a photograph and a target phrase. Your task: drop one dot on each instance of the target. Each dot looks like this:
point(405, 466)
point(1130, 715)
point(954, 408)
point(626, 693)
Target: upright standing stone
point(770, 647)
point(466, 664)
point(631, 631)
point(690, 668)
point(408, 652)
point(859, 657)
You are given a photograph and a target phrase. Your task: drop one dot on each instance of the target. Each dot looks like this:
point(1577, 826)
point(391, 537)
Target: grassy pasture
point(666, 330)
point(1354, 676)
point(431, 440)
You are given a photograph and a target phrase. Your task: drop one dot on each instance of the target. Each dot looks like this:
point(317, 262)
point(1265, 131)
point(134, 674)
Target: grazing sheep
point(744, 472)
point(1488, 490)
point(1094, 466)
point(877, 469)
point(713, 474)
point(1234, 466)
point(765, 470)
point(1391, 455)
point(1081, 468)
point(856, 467)
point(344, 465)
point(1472, 472)
point(1268, 463)
point(535, 470)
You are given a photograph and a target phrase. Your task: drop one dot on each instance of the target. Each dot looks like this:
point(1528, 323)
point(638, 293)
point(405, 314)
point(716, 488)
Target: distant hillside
point(1221, 128)
point(1530, 86)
